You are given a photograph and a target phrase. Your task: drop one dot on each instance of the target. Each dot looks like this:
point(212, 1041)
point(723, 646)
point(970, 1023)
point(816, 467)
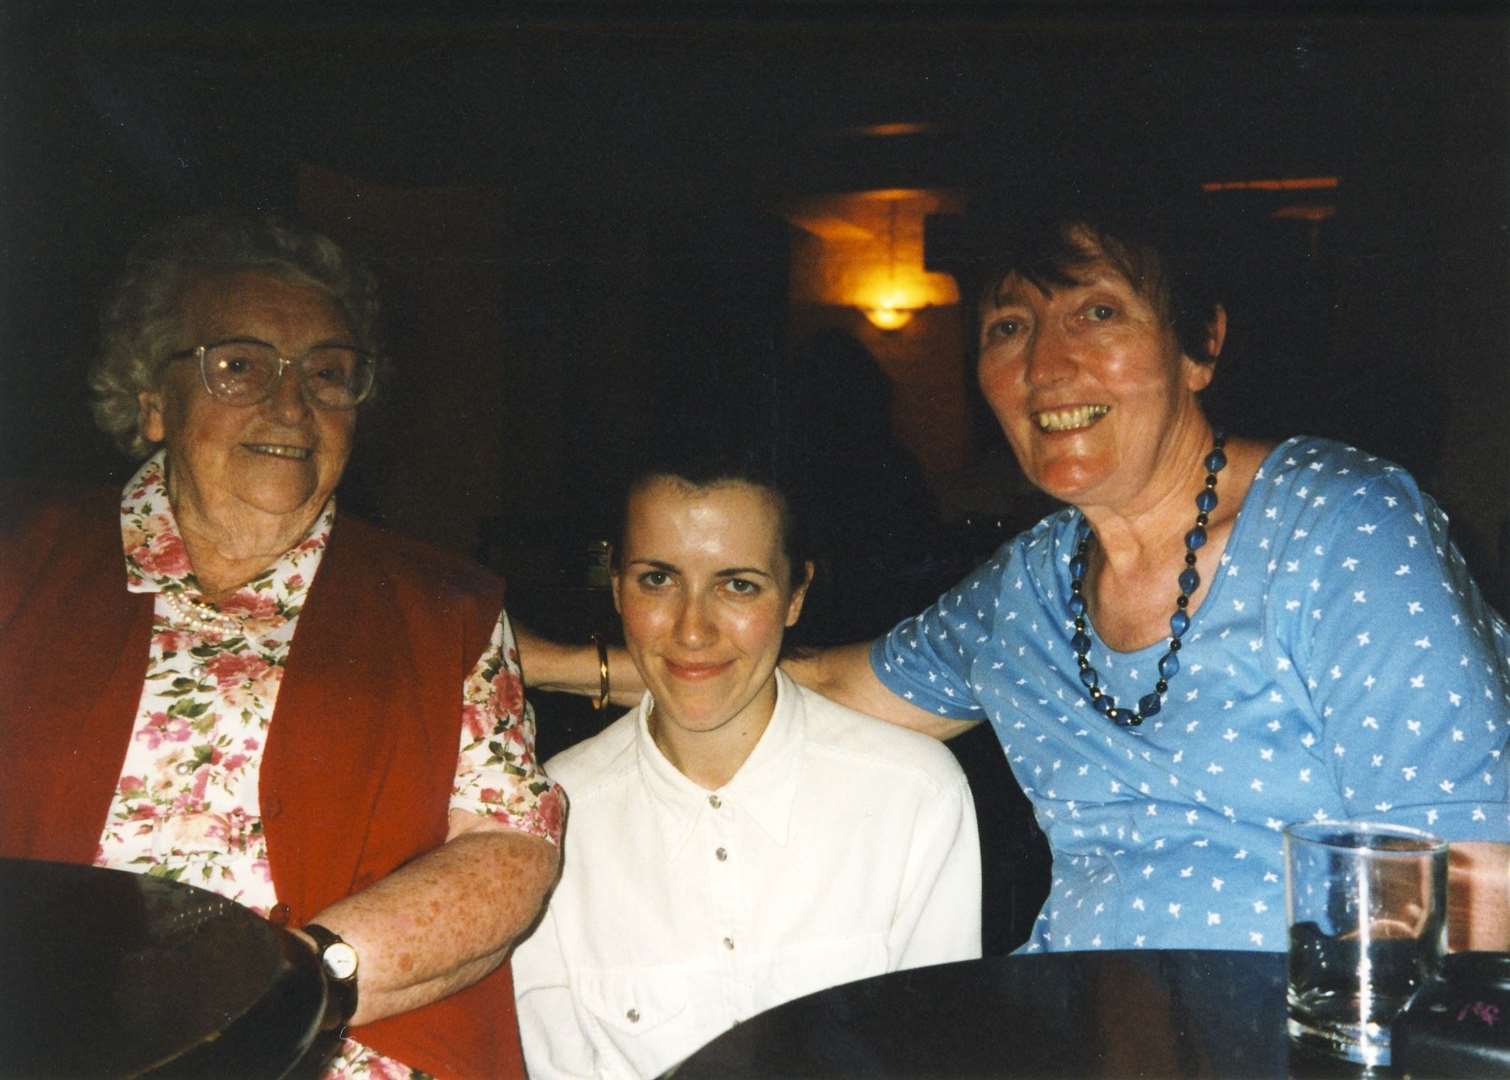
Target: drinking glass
point(1366, 905)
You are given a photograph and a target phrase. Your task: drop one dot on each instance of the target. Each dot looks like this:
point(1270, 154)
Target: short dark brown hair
point(1153, 238)
point(710, 468)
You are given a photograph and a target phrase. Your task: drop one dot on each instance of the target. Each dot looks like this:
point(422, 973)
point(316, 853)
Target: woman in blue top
point(1218, 636)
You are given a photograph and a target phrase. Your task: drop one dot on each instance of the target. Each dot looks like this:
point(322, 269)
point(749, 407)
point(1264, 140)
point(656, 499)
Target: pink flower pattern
point(186, 805)
point(497, 774)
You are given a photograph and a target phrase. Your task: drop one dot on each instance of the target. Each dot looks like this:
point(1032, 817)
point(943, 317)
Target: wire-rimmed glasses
point(244, 372)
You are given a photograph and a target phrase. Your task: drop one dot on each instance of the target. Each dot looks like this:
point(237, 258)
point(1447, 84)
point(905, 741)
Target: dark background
point(576, 214)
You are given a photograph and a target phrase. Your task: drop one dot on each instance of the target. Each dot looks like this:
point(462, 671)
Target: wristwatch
point(339, 962)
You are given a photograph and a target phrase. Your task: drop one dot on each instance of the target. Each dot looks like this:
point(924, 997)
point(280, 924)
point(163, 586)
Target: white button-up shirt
point(842, 848)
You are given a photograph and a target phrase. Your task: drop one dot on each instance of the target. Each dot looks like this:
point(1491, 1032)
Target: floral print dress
point(186, 805)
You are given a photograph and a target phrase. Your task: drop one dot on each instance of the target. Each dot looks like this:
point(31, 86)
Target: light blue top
point(1343, 664)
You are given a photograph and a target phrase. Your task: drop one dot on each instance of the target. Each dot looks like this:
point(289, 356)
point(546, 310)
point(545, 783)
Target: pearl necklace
point(200, 617)
point(1179, 622)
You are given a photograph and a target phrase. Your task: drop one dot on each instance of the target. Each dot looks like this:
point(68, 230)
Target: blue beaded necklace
point(1179, 622)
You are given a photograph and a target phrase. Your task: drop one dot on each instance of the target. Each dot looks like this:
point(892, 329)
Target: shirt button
point(728, 943)
point(720, 854)
point(714, 801)
point(278, 916)
point(633, 1016)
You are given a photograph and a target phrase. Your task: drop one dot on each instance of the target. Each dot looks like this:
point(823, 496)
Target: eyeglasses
point(245, 373)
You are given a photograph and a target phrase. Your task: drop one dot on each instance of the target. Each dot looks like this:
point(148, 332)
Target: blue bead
point(1103, 704)
point(1089, 677)
point(1189, 580)
point(1169, 664)
point(1081, 642)
point(1205, 502)
point(1077, 568)
point(1179, 622)
point(1149, 704)
point(1077, 604)
point(1124, 717)
point(1215, 461)
point(1195, 538)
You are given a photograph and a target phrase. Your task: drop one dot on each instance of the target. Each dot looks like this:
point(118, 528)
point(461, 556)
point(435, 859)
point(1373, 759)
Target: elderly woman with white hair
point(211, 675)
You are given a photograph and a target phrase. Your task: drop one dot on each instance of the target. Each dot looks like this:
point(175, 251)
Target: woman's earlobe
point(799, 595)
point(149, 416)
point(1216, 332)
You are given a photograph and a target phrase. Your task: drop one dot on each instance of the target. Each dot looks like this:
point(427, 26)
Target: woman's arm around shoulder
point(843, 673)
point(557, 667)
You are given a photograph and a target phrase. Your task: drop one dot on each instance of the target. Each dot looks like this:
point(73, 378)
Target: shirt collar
point(158, 561)
point(765, 787)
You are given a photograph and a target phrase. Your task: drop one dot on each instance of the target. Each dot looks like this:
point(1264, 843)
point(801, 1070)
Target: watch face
point(340, 961)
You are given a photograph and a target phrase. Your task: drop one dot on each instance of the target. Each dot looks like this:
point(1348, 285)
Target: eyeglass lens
point(243, 373)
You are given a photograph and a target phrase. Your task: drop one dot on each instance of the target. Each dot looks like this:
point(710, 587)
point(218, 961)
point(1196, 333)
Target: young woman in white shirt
point(735, 841)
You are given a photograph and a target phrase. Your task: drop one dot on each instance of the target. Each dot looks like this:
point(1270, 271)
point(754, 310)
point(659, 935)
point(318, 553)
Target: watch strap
point(340, 992)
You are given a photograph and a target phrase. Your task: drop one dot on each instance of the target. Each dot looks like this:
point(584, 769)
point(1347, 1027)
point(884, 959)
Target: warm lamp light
point(864, 251)
point(893, 312)
point(888, 318)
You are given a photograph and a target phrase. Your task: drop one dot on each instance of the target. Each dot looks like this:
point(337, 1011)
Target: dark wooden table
point(107, 973)
point(1081, 1014)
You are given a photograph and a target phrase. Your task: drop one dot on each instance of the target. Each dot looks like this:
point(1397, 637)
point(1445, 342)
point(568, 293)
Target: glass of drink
point(1366, 905)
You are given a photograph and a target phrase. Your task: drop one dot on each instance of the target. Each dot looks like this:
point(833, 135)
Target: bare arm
point(843, 674)
point(1478, 897)
point(573, 669)
point(443, 921)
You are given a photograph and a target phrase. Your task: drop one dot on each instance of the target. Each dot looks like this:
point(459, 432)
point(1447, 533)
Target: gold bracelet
point(602, 702)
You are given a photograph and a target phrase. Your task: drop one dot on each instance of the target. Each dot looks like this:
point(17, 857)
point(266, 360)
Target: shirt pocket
point(646, 1015)
point(797, 970)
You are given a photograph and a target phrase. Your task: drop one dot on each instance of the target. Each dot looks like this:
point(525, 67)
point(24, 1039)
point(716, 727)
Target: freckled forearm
point(443, 921)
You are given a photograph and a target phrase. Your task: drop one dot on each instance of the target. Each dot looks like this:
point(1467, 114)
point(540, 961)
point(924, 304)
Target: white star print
point(1293, 629)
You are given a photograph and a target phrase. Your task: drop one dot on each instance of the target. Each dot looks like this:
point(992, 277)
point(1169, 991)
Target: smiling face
point(705, 593)
point(249, 467)
point(1088, 383)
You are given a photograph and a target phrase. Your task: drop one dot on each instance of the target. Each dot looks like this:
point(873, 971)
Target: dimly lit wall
point(924, 363)
point(533, 189)
point(519, 376)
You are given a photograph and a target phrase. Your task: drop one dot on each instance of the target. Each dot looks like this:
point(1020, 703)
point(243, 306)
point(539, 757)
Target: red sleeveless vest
point(357, 769)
